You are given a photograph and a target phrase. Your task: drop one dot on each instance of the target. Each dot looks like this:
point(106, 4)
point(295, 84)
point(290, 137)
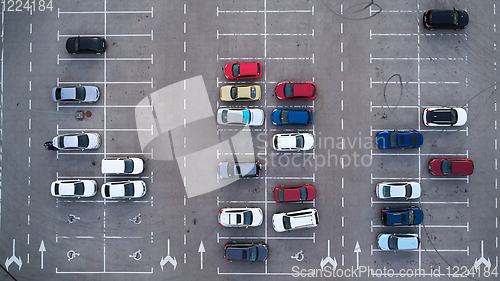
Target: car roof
point(306, 219)
point(248, 68)
point(440, 115)
point(247, 168)
point(398, 191)
point(66, 188)
point(407, 242)
point(298, 116)
point(287, 141)
point(235, 116)
point(442, 17)
point(302, 89)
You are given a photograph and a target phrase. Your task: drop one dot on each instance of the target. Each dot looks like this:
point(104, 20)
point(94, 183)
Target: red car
point(293, 193)
point(243, 70)
point(451, 167)
point(296, 91)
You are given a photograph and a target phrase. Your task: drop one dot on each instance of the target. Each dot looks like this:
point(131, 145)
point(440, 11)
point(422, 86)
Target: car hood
point(278, 222)
point(461, 116)
point(275, 116)
point(223, 170)
point(435, 167)
point(257, 117)
point(419, 216)
point(261, 253)
point(383, 241)
point(308, 141)
point(383, 139)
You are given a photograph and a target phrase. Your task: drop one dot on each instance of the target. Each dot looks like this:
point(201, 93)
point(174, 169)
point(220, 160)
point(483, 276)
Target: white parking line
point(262, 34)
point(420, 154)
point(260, 202)
point(425, 130)
point(417, 202)
point(265, 11)
point(109, 35)
point(269, 58)
point(109, 82)
point(105, 12)
point(108, 59)
point(417, 179)
point(413, 226)
point(236, 238)
point(433, 250)
point(415, 59)
point(417, 82)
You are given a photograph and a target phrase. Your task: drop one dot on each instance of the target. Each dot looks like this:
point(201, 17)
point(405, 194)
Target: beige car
point(240, 93)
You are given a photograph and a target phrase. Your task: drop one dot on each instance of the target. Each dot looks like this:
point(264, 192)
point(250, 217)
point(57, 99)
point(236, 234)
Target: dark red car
point(451, 167)
point(293, 193)
point(243, 70)
point(296, 91)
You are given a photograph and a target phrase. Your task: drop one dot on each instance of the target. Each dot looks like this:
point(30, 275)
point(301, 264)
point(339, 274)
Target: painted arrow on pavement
point(201, 250)
point(12, 259)
point(357, 250)
point(328, 260)
point(41, 250)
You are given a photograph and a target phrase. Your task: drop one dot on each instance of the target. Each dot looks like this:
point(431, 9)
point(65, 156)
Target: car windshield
point(303, 193)
point(456, 16)
point(446, 167)
point(236, 69)
point(408, 190)
point(393, 243)
point(129, 166)
point(299, 141)
point(253, 92)
point(234, 93)
point(386, 191)
point(224, 116)
point(106, 190)
point(230, 169)
point(281, 195)
point(80, 93)
point(286, 222)
point(252, 254)
point(288, 90)
point(393, 139)
point(83, 141)
point(247, 218)
point(79, 187)
point(246, 116)
point(129, 189)
point(284, 116)
point(56, 189)
point(411, 217)
point(61, 141)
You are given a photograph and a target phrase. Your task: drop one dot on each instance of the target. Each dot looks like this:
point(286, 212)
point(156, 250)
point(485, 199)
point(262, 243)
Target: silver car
point(240, 116)
point(77, 141)
point(123, 189)
point(75, 94)
point(398, 242)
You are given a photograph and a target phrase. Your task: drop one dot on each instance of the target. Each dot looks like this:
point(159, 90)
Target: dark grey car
point(239, 170)
point(93, 45)
point(246, 251)
point(445, 19)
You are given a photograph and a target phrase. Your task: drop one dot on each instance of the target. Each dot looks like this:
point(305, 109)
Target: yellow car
point(240, 93)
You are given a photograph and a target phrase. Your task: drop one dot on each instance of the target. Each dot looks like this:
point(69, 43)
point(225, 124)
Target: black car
point(405, 216)
point(93, 45)
point(445, 19)
point(246, 251)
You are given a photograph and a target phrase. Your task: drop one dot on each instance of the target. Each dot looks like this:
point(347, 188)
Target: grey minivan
point(229, 170)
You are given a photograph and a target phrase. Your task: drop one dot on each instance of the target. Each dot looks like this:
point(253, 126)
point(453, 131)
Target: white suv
point(306, 218)
point(123, 165)
point(293, 142)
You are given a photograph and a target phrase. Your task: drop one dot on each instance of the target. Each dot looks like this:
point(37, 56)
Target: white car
point(123, 189)
point(123, 165)
point(293, 142)
point(306, 218)
point(74, 188)
point(398, 190)
point(444, 116)
point(240, 116)
point(75, 94)
point(240, 217)
point(77, 141)
point(398, 242)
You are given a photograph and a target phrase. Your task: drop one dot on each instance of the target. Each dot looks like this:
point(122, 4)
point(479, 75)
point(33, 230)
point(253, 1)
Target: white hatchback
point(444, 116)
point(240, 116)
point(74, 188)
point(122, 165)
point(123, 189)
point(240, 217)
point(398, 190)
point(293, 142)
point(77, 141)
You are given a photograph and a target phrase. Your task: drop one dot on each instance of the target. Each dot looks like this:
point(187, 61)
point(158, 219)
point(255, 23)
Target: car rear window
point(281, 195)
point(106, 190)
point(411, 217)
point(56, 189)
point(234, 93)
point(284, 116)
point(286, 222)
point(58, 93)
point(446, 167)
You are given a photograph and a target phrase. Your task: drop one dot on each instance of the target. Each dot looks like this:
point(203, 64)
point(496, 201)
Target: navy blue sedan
point(406, 216)
point(399, 139)
point(285, 117)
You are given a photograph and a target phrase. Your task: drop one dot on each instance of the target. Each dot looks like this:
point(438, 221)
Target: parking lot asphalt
point(376, 69)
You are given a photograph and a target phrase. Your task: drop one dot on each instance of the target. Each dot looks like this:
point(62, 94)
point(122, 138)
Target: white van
point(124, 165)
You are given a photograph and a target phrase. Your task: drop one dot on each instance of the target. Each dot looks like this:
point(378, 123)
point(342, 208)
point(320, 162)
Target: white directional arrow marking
point(41, 250)
point(168, 258)
point(357, 250)
point(12, 259)
point(201, 250)
point(328, 260)
point(482, 260)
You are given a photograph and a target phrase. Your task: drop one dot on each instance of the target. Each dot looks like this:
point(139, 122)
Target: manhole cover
point(88, 113)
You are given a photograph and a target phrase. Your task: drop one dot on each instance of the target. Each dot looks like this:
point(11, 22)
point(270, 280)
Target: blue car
point(406, 216)
point(285, 117)
point(399, 139)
